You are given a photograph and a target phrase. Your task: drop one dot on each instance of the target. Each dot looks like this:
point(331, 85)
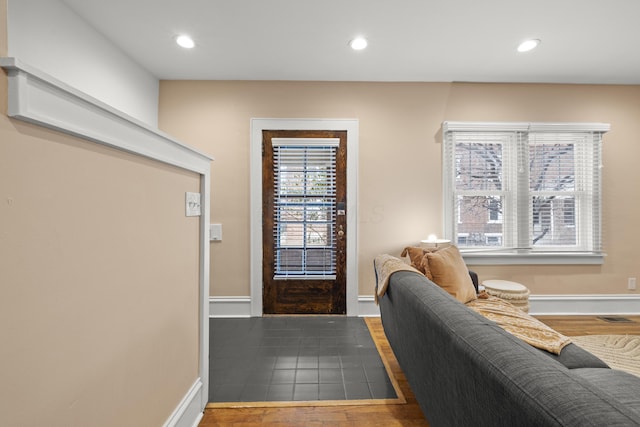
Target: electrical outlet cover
point(192, 201)
point(215, 232)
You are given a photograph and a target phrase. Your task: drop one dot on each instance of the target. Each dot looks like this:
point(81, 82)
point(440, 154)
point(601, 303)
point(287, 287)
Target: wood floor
point(574, 326)
point(408, 414)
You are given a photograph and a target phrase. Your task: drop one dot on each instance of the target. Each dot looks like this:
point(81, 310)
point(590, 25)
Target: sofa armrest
point(474, 279)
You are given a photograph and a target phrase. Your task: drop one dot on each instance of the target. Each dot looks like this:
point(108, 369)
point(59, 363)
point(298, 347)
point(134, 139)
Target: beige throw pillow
point(446, 268)
point(415, 254)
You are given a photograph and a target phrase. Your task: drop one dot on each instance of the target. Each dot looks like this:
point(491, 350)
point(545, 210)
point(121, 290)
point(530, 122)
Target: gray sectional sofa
point(466, 371)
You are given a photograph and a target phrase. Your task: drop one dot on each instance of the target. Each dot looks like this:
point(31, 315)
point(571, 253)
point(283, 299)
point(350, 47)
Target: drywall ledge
point(38, 98)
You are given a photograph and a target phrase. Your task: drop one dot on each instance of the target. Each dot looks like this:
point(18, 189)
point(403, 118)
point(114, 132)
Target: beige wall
point(99, 280)
point(400, 197)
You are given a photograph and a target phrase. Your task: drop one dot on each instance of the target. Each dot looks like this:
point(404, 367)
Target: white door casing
point(257, 126)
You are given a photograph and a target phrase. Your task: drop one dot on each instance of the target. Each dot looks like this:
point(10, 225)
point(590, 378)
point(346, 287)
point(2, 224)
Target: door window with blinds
point(304, 207)
point(523, 187)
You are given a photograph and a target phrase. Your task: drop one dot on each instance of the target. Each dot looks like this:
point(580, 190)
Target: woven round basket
point(513, 292)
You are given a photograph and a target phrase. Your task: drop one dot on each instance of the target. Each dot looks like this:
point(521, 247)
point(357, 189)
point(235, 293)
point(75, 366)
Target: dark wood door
point(304, 221)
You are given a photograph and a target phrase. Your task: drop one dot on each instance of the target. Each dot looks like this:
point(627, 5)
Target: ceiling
point(583, 41)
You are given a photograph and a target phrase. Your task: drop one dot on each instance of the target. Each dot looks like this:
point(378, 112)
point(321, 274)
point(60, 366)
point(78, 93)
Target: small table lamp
point(432, 242)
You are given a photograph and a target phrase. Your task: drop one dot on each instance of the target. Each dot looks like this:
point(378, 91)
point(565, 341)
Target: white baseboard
point(190, 410)
point(539, 305)
point(584, 304)
point(556, 305)
point(367, 307)
point(553, 305)
point(221, 307)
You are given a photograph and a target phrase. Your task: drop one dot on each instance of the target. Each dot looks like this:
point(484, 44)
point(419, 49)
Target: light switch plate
point(192, 204)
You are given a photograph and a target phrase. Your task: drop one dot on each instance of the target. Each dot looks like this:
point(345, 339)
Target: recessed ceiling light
point(358, 43)
point(185, 41)
point(528, 45)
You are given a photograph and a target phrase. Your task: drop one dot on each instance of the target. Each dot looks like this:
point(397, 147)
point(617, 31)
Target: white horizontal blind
point(483, 182)
point(564, 190)
point(523, 187)
point(304, 208)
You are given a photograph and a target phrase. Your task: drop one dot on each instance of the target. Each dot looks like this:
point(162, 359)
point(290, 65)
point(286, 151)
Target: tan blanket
point(385, 265)
point(520, 324)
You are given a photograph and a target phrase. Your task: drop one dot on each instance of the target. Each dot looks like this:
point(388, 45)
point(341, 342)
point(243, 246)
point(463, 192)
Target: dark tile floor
point(295, 358)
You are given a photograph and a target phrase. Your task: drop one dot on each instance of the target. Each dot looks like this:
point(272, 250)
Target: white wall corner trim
point(38, 98)
point(352, 128)
point(584, 304)
point(228, 307)
point(188, 413)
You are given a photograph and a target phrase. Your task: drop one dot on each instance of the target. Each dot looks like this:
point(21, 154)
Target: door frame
point(352, 128)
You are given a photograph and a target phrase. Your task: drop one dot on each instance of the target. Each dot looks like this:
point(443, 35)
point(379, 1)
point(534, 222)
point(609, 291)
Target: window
point(305, 207)
point(524, 192)
point(462, 238)
point(494, 239)
point(494, 207)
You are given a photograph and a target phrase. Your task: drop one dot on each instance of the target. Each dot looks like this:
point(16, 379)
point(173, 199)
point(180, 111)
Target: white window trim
point(484, 256)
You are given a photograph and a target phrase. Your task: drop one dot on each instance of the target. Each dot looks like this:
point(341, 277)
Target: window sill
point(511, 258)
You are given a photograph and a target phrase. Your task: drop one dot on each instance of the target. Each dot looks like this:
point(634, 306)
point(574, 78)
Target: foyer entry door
point(304, 221)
